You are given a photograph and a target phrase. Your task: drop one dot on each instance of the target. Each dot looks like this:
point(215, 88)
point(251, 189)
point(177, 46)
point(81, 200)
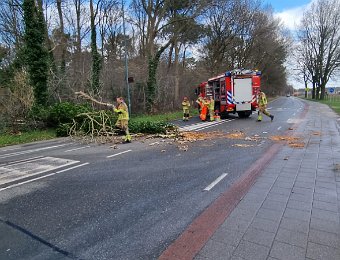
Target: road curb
point(192, 240)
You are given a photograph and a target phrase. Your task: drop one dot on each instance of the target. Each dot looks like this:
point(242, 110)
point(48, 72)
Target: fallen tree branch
point(88, 97)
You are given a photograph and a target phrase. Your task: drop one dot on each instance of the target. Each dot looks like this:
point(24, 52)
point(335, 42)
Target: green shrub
point(148, 127)
point(39, 113)
point(63, 130)
point(65, 112)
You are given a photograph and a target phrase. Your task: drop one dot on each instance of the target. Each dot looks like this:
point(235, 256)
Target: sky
point(290, 12)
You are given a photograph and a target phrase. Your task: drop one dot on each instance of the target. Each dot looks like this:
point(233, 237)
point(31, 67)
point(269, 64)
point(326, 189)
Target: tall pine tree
point(35, 51)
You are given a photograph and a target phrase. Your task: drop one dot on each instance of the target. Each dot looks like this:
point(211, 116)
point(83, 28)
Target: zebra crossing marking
point(25, 169)
point(205, 125)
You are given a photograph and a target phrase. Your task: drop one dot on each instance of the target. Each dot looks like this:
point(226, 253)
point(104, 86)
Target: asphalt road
point(66, 200)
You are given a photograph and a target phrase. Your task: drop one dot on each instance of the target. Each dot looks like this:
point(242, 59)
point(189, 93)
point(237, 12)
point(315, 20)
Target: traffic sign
point(331, 90)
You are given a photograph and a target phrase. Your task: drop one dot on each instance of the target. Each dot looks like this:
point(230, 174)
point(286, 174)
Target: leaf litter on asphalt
point(185, 138)
point(293, 141)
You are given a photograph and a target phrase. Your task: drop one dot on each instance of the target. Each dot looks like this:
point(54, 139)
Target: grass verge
point(27, 137)
point(332, 101)
point(167, 117)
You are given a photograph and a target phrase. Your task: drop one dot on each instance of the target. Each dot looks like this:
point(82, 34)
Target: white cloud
point(292, 17)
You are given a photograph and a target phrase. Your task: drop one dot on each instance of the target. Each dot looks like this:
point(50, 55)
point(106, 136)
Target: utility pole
point(126, 61)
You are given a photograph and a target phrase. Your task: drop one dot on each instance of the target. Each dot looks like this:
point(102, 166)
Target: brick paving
point(292, 210)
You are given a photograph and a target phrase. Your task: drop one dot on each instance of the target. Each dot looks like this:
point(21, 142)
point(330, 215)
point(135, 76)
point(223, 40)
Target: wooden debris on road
point(296, 145)
point(284, 138)
point(293, 141)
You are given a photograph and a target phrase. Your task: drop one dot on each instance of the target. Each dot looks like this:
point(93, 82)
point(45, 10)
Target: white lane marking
point(279, 127)
point(20, 161)
point(31, 151)
point(11, 149)
point(24, 182)
point(113, 155)
point(294, 120)
point(23, 170)
point(41, 177)
point(212, 185)
point(75, 149)
point(220, 123)
point(74, 167)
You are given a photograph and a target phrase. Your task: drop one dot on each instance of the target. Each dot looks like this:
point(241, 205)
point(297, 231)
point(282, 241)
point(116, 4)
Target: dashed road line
point(279, 127)
point(294, 120)
point(76, 149)
point(153, 143)
point(213, 184)
point(113, 155)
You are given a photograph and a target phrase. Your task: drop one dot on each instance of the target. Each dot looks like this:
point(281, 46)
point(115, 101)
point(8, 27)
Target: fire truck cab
point(234, 92)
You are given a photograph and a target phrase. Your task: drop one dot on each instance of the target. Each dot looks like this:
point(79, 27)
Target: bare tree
point(242, 34)
point(11, 26)
point(63, 38)
point(320, 33)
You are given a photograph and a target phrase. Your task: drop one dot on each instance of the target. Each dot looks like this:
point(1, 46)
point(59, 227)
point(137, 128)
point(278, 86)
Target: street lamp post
point(126, 61)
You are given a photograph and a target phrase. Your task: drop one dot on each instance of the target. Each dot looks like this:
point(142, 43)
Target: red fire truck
point(234, 92)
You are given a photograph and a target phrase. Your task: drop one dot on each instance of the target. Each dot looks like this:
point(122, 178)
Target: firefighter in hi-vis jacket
point(211, 107)
point(262, 106)
point(123, 118)
point(122, 111)
point(199, 101)
point(186, 107)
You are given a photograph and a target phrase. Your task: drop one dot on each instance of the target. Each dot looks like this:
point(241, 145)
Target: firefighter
point(262, 107)
point(123, 118)
point(204, 108)
point(122, 111)
point(211, 107)
point(199, 101)
point(186, 106)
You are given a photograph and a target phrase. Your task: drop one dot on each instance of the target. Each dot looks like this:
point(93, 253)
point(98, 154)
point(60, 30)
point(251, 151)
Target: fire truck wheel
point(224, 115)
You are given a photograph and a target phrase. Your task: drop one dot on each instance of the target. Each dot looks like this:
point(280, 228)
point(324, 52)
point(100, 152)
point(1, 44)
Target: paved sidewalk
point(292, 211)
